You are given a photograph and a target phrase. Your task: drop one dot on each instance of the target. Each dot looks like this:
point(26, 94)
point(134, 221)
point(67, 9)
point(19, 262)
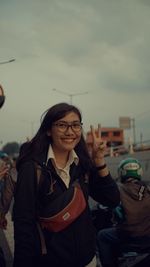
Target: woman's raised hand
point(98, 146)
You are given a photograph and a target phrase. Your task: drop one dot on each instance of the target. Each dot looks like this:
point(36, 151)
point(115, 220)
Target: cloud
point(77, 46)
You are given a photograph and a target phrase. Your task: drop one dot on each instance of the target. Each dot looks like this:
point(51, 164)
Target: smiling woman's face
point(65, 141)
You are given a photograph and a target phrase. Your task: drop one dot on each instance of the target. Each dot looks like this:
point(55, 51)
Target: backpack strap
point(42, 239)
point(38, 172)
point(141, 192)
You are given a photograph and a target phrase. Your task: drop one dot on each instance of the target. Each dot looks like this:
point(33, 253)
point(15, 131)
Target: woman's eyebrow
point(68, 121)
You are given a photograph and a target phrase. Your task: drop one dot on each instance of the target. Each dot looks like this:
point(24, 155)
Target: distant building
point(114, 136)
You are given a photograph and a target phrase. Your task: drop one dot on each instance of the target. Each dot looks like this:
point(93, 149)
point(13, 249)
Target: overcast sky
point(76, 46)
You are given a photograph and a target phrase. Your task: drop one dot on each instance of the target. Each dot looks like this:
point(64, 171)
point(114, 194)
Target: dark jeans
point(107, 244)
point(110, 243)
point(2, 258)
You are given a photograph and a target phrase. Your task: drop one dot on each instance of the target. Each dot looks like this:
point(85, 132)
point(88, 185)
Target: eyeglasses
point(64, 126)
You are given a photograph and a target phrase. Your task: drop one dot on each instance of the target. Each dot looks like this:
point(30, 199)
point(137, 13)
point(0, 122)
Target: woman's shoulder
point(24, 147)
point(24, 155)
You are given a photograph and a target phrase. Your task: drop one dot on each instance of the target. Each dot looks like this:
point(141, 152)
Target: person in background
point(132, 216)
point(7, 189)
point(2, 96)
point(59, 145)
point(3, 168)
point(7, 177)
point(3, 165)
point(3, 174)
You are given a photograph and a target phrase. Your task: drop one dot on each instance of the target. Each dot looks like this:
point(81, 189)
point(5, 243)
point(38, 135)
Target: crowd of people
point(51, 184)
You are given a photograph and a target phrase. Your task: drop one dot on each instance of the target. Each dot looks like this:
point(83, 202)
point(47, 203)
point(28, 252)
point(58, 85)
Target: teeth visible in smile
point(68, 140)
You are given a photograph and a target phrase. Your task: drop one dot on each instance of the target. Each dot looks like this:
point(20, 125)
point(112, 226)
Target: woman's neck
point(61, 158)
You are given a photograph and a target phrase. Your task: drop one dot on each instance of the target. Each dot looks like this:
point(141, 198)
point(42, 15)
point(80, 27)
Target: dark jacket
point(73, 246)
point(135, 200)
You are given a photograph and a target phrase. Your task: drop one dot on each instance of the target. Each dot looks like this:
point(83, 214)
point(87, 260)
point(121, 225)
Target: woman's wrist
point(99, 162)
point(101, 167)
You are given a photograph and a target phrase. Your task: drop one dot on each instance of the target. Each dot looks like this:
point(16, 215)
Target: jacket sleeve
point(27, 244)
point(104, 189)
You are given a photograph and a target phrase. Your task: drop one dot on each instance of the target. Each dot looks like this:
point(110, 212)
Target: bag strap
point(42, 239)
point(39, 168)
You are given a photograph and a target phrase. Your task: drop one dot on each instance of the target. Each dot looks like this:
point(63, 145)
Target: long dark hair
point(40, 142)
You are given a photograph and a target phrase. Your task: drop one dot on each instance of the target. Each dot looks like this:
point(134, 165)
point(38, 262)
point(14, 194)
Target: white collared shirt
point(63, 172)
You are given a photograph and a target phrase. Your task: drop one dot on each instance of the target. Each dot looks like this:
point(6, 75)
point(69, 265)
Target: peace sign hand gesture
point(99, 146)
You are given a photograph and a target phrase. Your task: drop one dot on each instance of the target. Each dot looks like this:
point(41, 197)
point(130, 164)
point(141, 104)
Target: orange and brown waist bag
point(65, 209)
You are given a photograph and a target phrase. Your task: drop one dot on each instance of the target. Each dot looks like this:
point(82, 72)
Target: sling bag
point(63, 210)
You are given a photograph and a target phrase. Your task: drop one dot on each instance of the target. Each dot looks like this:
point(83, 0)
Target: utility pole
point(7, 61)
point(134, 133)
point(70, 95)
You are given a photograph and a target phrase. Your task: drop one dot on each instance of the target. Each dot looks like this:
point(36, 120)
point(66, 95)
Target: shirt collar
point(72, 156)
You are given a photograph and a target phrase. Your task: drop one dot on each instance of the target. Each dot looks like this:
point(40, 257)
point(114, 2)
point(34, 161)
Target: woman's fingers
point(99, 130)
point(96, 136)
point(93, 135)
point(93, 131)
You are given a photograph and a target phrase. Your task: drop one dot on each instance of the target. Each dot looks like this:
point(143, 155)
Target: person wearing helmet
point(130, 168)
point(131, 219)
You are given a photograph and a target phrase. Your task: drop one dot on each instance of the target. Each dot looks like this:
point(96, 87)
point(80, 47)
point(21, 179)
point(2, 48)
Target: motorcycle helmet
point(130, 168)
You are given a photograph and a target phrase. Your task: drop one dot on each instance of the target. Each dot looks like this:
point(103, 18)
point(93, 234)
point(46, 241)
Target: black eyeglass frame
point(67, 125)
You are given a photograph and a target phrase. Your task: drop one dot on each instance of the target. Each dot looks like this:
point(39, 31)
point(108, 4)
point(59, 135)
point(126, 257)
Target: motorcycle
point(130, 255)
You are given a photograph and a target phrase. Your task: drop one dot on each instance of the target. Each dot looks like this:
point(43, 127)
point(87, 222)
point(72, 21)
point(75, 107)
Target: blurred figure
point(7, 189)
point(132, 216)
point(3, 173)
point(2, 96)
point(7, 177)
point(3, 169)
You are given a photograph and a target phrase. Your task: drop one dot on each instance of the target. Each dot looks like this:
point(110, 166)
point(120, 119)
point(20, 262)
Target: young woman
point(60, 147)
